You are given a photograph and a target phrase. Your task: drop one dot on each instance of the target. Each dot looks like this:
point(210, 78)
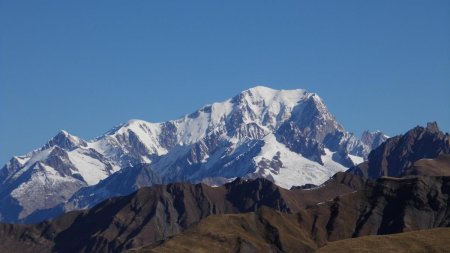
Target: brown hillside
point(432, 240)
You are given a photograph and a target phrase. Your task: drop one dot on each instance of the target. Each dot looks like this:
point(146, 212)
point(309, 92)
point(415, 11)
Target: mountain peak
point(135, 122)
point(260, 88)
point(63, 132)
point(261, 97)
point(396, 155)
point(432, 127)
point(65, 140)
point(373, 139)
point(266, 92)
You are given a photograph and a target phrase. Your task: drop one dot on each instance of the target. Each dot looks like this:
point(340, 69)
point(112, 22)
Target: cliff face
point(396, 155)
point(387, 206)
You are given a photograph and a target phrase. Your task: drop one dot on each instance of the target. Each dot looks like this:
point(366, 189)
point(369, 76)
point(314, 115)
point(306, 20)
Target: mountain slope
point(262, 231)
point(387, 206)
point(430, 240)
point(439, 166)
point(269, 231)
point(121, 183)
point(396, 155)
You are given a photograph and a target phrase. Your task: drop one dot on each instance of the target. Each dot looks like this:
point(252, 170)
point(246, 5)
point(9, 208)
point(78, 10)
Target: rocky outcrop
point(395, 156)
point(387, 206)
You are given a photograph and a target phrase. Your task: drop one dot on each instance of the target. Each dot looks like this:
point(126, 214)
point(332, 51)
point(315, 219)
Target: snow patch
point(296, 169)
point(92, 170)
point(356, 159)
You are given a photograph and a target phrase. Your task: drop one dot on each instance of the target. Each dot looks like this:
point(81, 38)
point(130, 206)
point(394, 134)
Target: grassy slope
point(261, 231)
point(431, 240)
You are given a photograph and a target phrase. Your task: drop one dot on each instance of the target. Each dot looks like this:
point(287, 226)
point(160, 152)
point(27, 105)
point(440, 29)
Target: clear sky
point(86, 66)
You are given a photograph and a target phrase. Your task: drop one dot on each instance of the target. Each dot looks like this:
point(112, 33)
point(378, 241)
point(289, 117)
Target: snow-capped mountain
point(372, 140)
point(121, 183)
point(287, 136)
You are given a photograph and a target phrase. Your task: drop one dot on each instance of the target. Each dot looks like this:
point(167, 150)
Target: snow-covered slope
point(287, 168)
point(288, 136)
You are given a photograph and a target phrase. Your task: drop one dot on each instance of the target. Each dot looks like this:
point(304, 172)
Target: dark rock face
point(131, 141)
point(343, 158)
point(65, 141)
point(59, 159)
point(136, 145)
point(397, 154)
point(10, 208)
point(385, 207)
point(290, 135)
point(248, 196)
point(303, 187)
point(274, 165)
point(169, 138)
point(313, 117)
point(9, 169)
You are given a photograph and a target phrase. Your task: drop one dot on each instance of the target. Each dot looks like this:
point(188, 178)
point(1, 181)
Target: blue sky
point(86, 66)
